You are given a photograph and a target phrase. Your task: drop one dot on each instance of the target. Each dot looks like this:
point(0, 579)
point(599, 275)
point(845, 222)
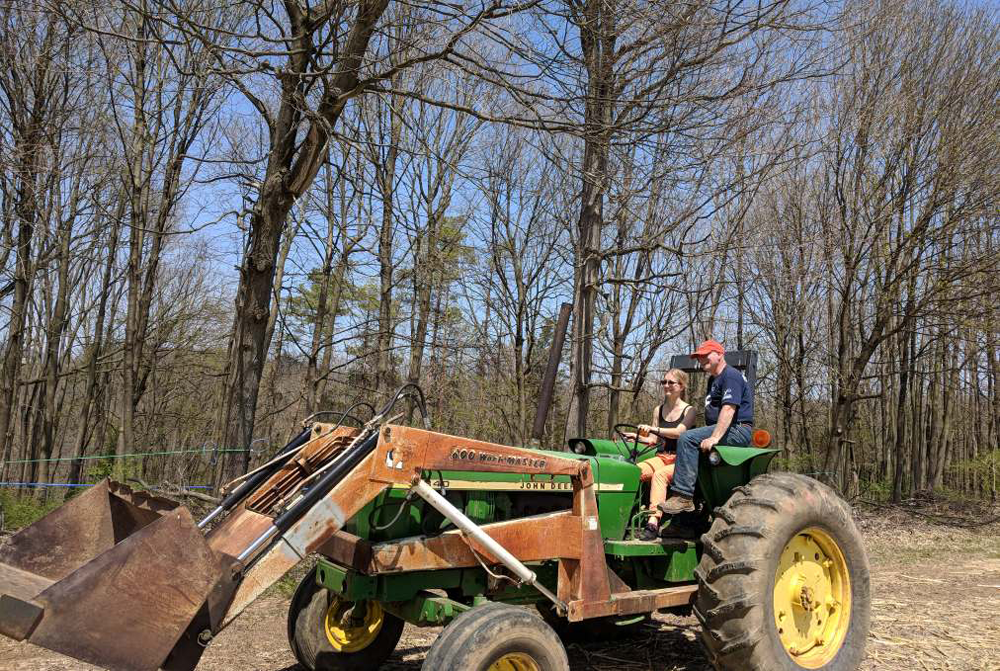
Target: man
point(728, 419)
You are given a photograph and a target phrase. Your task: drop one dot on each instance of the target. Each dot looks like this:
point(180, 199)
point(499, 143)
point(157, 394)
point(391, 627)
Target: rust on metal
point(125, 609)
point(348, 550)
point(188, 650)
point(20, 583)
point(80, 530)
point(405, 450)
point(19, 617)
point(238, 530)
point(243, 525)
point(307, 535)
point(283, 486)
point(617, 584)
point(630, 603)
point(535, 538)
point(585, 579)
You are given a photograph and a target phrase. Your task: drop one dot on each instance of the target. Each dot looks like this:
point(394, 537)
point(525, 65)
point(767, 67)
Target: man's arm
point(726, 414)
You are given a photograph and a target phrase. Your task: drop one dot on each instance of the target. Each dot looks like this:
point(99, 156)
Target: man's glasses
point(668, 382)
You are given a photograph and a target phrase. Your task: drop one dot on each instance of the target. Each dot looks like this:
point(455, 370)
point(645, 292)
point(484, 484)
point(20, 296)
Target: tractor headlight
point(714, 458)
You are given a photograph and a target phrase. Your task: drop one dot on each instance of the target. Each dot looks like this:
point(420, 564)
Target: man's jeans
point(688, 446)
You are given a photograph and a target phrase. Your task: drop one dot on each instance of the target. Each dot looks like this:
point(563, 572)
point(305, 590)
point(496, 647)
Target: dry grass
point(936, 587)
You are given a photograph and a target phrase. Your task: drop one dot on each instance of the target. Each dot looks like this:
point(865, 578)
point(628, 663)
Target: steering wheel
point(638, 449)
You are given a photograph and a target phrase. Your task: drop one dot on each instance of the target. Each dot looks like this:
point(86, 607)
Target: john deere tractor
point(431, 529)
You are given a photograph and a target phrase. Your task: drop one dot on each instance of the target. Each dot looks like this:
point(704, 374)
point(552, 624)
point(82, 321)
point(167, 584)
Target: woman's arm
point(687, 421)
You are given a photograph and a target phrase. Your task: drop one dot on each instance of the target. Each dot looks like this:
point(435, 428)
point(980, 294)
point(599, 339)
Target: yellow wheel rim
point(350, 634)
point(812, 598)
point(515, 661)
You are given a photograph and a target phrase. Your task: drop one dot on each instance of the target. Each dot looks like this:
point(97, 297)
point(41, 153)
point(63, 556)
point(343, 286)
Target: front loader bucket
point(113, 577)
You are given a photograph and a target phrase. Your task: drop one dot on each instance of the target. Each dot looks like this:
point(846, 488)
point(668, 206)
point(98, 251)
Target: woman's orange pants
point(659, 472)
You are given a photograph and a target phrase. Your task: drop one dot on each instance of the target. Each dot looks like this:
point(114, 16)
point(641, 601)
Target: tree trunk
point(53, 338)
point(94, 350)
point(384, 378)
point(597, 41)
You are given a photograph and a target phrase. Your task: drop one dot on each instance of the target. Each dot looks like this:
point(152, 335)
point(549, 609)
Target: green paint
point(487, 497)
point(739, 466)
point(350, 584)
point(668, 561)
point(353, 585)
point(470, 583)
point(426, 609)
point(624, 549)
point(734, 456)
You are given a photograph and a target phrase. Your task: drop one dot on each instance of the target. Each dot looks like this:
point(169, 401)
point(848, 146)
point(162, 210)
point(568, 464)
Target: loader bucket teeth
point(98, 579)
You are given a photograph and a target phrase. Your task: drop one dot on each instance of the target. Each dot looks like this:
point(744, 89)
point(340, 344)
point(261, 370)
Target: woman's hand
point(647, 435)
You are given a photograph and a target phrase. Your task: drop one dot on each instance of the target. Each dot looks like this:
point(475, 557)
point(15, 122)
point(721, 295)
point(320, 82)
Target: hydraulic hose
point(345, 463)
point(351, 458)
point(251, 483)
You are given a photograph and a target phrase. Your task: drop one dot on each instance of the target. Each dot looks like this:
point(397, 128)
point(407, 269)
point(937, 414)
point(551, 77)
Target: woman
point(670, 419)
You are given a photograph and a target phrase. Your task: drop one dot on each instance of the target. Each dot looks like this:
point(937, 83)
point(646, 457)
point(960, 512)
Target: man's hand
point(709, 443)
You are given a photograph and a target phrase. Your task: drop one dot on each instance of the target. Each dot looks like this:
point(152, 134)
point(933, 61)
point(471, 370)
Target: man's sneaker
point(676, 504)
point(649, 534)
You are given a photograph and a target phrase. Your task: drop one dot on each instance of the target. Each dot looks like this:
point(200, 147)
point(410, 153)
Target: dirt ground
point(936, 605)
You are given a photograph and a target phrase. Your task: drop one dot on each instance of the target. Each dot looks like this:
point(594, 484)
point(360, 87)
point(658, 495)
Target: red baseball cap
point(709, 346)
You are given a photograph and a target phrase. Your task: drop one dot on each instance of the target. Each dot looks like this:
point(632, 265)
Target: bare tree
point(164, 93)
point(34, 85)
point(917, 90)
point(640, 70)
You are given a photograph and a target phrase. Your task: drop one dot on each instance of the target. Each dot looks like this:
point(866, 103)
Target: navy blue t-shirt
point(730, 388)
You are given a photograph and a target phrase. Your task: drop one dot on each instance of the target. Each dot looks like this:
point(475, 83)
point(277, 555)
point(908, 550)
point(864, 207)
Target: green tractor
point(436, 530)
point(778, 579)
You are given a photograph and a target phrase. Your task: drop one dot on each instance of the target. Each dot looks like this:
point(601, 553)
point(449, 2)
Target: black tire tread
point(740, 550)
point(475, 633)
point(309, 645)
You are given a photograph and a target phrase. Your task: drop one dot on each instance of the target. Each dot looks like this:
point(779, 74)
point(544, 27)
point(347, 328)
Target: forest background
point(220, 218)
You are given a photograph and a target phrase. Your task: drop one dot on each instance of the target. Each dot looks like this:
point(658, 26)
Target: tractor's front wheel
point(783, 581)
point(497, 637)
point(327, 633)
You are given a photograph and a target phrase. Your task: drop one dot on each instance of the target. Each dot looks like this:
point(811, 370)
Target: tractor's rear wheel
point(327, 633)
point(497, 637)
point(783, 581)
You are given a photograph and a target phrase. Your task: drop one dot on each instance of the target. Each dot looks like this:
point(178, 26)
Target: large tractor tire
point(497, 637)
point(783, 582)
point(323, 637)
